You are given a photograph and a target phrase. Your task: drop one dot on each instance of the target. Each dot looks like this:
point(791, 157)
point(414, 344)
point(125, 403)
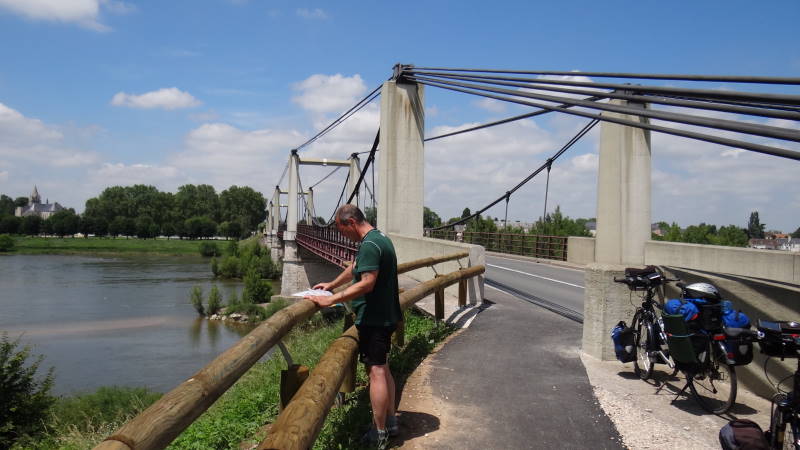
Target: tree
point(731, 235)
point(796, 233)
point(21, 201)
point(146, 227)
point(31, 225)
point(7, 205)
point(64, 222)
point(26, 397)
point(755, 229)
point(117, 226)
point(10, 224)
point(466, 213)
point(6, 243)
point(370, 213)
point(430, 219)
point(242, 204)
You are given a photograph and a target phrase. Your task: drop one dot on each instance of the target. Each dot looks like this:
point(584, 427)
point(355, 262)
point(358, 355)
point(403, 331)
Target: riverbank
point(106, 245)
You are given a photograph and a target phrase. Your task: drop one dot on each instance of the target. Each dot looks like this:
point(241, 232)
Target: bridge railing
point(164, 420)
point(327, 243)
point(302, 419)
point(538, 246)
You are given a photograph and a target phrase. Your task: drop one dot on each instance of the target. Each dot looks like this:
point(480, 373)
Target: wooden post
point(349, 381)
point(439, 302)
point(291, 380)
point(462, 293)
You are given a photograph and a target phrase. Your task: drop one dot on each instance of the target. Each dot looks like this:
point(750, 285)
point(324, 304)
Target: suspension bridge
point(760, 115)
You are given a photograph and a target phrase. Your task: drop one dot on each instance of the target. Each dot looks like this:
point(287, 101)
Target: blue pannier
point(622, 336)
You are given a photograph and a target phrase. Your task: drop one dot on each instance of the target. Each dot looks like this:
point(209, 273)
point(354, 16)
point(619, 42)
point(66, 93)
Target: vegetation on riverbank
point(94, 245)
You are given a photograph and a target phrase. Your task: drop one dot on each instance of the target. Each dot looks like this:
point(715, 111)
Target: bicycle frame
point(786, 411)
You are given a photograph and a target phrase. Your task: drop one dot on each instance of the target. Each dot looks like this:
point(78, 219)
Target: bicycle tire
point(643, 344)
point(780, 432)
point(715, 388)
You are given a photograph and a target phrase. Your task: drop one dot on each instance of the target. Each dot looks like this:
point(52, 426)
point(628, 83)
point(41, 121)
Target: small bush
point(6, 243)
point(233, 248)
point(230, 268)
point(215, 266)
point(214, 301)
point(196, 297)
point(25, 400)
point(256, 290)
point(233, 300)
point(267, 268)
point(254, 312)
point(209, 249)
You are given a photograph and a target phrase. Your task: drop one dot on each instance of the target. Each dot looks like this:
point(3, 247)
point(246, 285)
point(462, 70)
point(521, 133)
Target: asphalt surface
point(517, 369)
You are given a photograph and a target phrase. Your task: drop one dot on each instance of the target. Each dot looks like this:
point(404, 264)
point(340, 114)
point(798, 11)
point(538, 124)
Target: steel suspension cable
point(347, 114)
point(723, 124)
point(325, 178)
point(370, 159)
point(681, 77)
point(508, 193)
point(776, 151)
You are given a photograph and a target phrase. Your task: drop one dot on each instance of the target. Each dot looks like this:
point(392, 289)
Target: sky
point(96, 93)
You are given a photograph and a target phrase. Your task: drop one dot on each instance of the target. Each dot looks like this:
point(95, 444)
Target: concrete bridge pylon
point(623, 228)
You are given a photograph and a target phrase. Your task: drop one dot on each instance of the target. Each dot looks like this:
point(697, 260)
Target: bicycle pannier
point(742, 434)
point(779, 338)
point(622, 335)
point(679, 340)
point(739, 350)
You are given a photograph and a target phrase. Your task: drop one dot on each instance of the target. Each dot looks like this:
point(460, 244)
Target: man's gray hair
point(346, 212)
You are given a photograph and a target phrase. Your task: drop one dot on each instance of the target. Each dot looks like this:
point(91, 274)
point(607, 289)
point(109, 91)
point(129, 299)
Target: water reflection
point(103, 321)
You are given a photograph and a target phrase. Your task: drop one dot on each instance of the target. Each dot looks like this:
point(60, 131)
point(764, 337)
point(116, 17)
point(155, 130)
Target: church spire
point(35, 196)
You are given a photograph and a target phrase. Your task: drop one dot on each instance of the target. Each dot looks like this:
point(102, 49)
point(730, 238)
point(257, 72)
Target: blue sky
point(101, 92)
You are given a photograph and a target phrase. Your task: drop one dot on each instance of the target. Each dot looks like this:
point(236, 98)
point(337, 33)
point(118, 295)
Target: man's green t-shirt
point(381, 307)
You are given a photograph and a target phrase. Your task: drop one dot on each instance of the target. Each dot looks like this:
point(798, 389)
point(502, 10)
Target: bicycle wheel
point(781, 435)
point(714, 386)
point(643, 364)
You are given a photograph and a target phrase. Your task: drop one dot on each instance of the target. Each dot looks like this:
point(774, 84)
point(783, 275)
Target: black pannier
point(781, 339)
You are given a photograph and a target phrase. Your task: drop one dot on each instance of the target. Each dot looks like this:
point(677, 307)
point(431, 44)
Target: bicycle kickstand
point(683, 389)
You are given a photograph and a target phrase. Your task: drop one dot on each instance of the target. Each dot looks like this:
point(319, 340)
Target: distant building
point(35, 207)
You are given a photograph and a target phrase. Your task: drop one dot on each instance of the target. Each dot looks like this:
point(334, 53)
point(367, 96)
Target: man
point(376, 303)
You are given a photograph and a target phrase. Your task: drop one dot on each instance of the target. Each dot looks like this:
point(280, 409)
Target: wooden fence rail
point(164, 420)
point(300, 422)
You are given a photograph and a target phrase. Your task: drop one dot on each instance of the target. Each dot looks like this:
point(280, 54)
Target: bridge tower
point(401, 171)
point(623, 228)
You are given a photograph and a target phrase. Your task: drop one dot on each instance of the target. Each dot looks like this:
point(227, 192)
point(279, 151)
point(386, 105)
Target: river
point(123, 321)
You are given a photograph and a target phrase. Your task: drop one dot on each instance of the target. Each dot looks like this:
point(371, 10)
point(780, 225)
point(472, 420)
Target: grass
point(102, 245)
point(82, 422)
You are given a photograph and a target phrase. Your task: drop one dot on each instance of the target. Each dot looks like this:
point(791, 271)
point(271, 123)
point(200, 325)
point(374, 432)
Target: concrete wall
point(764, 284)
point(580, 250)
point(412, 248)
point(768, 264)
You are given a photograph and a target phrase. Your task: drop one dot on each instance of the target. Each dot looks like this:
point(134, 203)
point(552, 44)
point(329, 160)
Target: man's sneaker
point(375, 438)
point(392, 426)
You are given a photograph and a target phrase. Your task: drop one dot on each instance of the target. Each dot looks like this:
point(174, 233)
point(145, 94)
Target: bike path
point(512, 380)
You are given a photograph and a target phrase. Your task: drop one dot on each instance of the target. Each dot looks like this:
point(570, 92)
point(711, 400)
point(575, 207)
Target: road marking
point(535, 262)
point(535, 276)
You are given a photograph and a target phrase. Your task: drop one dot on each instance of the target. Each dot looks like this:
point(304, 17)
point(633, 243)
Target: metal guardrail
point(539, 246)
point(327, 243)
point(301, 420)
point(164, 420)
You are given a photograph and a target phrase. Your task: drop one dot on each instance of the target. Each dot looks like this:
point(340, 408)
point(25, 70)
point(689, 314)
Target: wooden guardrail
point(164, 420)
point(301, 420)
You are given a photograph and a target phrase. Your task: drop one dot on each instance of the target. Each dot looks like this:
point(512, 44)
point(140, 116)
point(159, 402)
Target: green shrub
point(254, 312)
point(230, 268)
point(267, 268)
point(6, 243)
point(109, 404)
point(233, 300)
point(255, 290)
point(209, 249)
point(214, 301)
point(25, 400)
point(196, 297)
point(233, 248)
point(215, 266)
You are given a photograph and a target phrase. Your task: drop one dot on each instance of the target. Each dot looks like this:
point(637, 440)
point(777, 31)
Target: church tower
point(35, 196)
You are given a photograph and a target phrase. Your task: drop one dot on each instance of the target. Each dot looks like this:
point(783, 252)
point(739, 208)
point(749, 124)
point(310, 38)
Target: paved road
point(553, 284)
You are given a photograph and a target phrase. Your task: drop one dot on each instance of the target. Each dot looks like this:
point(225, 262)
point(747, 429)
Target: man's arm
point(344, 277)
point(365, 286)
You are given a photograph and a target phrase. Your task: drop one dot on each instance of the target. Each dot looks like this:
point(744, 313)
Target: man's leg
point(381, 394)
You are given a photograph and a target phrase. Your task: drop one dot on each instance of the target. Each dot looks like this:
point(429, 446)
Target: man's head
point(350, 221)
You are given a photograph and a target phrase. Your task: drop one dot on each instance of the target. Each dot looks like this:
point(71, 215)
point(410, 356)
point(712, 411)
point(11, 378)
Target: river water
point(123, 321)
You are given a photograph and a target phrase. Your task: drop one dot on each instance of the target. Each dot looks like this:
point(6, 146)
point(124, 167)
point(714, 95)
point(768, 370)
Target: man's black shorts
point(374, 344)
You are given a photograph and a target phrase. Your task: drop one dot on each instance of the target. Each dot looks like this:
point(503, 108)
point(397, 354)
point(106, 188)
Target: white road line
point(535, 276)
point(526, 261)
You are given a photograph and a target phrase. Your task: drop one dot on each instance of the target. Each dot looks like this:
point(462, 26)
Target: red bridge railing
point(539, 246)
point(327, 243)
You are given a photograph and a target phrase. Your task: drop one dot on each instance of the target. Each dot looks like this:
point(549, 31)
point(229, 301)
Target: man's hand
point(324, 286)
point(320, 300)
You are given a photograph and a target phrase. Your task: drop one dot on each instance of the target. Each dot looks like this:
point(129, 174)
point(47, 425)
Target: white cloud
point(165, 98)
point(491, 105)
point(118, 174)
point(329, 93)
point(312, 14)
point(82, 12)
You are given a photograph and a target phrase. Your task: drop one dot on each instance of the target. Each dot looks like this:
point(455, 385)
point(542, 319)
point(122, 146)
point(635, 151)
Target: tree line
point(194, 211)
